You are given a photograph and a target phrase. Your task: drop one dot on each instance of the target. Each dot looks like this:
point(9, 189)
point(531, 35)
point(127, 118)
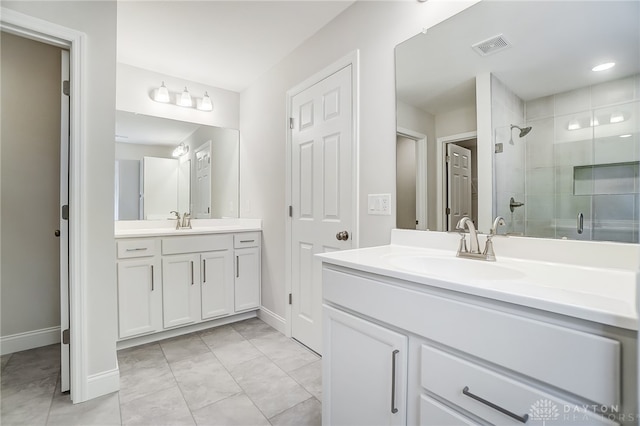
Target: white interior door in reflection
point(458, 183)
point(202, 202)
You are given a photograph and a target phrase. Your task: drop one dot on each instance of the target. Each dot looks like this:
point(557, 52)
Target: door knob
point(57, 233)
point(342, 236)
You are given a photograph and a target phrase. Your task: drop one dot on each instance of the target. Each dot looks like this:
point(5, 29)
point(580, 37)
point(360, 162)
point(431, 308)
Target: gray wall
point(30, 190)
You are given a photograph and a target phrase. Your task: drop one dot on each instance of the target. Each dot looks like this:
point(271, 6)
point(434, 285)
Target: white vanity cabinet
point(169, 282)
point(469, 360)
point(139, 287)
point(247, 271)
point(365, 369)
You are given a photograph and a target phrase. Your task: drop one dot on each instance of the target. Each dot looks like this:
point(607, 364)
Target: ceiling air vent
point(491, 45)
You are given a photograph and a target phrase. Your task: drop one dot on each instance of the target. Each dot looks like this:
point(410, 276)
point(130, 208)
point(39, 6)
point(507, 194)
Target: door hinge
point(291, 122)
point(447, 158)
point(290, 298)
point(66, 87)
point(448, 211)
point(499, 148)
point(290, 211)
point(66, 337)
point(64, 213)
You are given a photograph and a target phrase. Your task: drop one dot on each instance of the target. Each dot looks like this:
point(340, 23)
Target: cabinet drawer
point(136, 248)
point(432, 413)
point(246, 239)
point(464, 383)
point(196, 244)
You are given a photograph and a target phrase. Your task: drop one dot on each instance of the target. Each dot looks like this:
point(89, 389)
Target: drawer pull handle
point(237, 266)
point(152, 278)
point(247, 241)
point(394, 355)
point(136, 249)
point(204, 271)
point(192, 272)
point(521, 419)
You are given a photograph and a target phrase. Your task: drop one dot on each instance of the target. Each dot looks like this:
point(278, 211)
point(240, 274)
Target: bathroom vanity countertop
point(601, 294)
point(163, 228)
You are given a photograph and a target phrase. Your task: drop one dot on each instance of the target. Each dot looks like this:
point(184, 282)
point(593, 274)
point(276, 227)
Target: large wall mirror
point(167, 165)
point(501, 99)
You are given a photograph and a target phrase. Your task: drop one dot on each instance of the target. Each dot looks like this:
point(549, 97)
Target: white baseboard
point(103, 383)
point(178, 331)
point(273, 319)
point(29, 340)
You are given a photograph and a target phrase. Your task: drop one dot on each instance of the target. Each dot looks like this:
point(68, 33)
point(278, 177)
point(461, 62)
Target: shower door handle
point(580, 223)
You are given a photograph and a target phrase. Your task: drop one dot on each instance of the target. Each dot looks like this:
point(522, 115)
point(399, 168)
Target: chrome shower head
point(523, 131)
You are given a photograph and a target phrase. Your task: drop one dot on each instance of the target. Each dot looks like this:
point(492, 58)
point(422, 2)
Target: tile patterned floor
point(245, 373)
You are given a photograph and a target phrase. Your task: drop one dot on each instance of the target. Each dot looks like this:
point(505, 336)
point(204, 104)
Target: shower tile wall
point(579, 128)
point(508, 109)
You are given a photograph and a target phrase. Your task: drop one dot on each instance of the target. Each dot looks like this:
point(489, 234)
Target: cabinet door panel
point(360, 384)
point(139, 297)
point(181, 290)
point(217, 284)
point(247, 281)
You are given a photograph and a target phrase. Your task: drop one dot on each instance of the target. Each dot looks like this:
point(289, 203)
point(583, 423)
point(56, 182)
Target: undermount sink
point(455, 268)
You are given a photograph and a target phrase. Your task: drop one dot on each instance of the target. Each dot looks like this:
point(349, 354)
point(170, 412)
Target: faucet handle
point(462, 247)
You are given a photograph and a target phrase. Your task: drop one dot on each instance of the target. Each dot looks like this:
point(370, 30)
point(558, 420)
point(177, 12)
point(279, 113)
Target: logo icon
point(545, 410)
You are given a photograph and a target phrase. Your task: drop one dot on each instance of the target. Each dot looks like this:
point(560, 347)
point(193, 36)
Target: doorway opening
point(35, 245)
point(412, 202)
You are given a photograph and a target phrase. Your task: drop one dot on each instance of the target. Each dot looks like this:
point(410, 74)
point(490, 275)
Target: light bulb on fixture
point(180, 150)
point(205, 104)
point(594, 122)
point(616, 117)
point(185, 99)
point(603, 67)
point(573, 125)
point(162, 94)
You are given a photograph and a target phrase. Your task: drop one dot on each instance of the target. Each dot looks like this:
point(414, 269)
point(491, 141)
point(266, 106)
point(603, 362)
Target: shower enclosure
point(575, 174)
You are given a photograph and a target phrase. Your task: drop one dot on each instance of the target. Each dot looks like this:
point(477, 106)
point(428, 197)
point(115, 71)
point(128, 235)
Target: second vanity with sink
point(173, 281)
point(415, 335)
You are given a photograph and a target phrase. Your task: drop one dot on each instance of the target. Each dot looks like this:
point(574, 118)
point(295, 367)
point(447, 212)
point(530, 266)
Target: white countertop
point(155, 228)
point(605, 295)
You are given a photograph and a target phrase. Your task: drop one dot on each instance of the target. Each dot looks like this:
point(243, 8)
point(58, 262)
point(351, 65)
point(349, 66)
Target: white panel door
point(160, 187)
point(202, 191)
point(458, 184)
point(321, 193)
point(65, 363)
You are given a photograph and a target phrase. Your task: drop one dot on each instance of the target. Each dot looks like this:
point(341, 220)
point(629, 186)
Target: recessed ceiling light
point(603, 67)
point(628, 135)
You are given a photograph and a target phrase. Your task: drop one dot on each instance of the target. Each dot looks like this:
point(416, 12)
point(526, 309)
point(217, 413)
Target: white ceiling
point(148, 130)
point(554, 46)
point(226, 44)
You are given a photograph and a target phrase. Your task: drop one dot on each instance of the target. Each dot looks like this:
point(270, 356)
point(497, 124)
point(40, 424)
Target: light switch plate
point(379, 204)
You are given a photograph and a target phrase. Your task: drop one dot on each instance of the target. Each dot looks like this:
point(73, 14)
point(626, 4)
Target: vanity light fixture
point(205, 104)
point(185, 99)
point(603, 67)
point(594, 122)
point(180, 150)
point(162, 94)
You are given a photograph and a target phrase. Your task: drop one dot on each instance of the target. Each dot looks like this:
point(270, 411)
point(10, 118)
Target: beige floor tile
point(103, 411)
point(307, 413)
point(237, 410)
point(166, 407)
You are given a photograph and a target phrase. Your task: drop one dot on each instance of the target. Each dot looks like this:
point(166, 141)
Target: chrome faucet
point(474, 250)
point(177, 218)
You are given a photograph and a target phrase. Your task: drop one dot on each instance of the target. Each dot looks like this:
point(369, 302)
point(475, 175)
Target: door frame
point(352, 59)
point(422, 180)
point(75, 41)
point(441, 172)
